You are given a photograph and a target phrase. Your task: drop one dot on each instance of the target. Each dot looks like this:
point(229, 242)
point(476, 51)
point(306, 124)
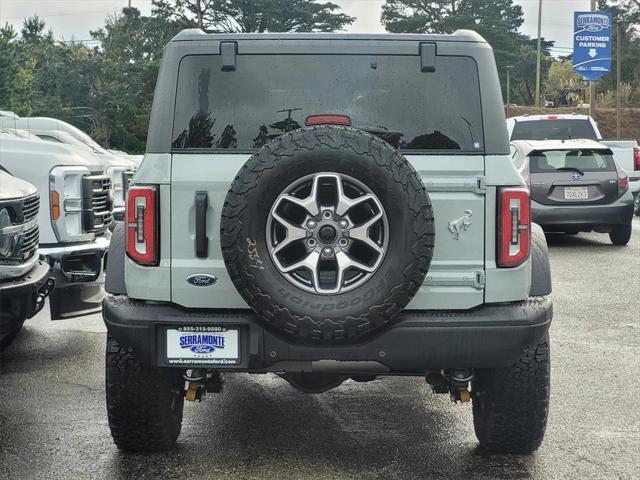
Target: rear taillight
point(623, 182)
point(636, 159)
point(142, 225)
point(514, 226)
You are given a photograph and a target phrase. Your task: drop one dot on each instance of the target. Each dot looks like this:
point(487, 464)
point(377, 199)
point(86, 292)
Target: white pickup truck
point(76, 208)
point(25, 280)
point(119, 168)
point(574, 126)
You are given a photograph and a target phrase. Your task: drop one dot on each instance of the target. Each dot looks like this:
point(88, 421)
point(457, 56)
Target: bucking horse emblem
point(462, 223)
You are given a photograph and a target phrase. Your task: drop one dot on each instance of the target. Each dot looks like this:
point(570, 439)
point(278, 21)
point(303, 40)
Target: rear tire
point(510, 404)
point(620, 235)
point(144, 404)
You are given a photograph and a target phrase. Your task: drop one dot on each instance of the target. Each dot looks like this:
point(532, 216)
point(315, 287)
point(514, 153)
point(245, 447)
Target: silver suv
point(328, 207)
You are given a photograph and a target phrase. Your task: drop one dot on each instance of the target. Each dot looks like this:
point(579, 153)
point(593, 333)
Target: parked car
point(119, 168)
point(576, 186)
point(279, 222)
point(572, 126)
point(76, 209)
point(25, 280)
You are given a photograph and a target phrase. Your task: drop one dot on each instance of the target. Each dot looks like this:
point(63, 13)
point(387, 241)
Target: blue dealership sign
point(592, 44)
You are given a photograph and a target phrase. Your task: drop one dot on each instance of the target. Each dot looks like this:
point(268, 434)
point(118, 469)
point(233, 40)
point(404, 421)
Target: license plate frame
point(218, 345)
point(576, 193)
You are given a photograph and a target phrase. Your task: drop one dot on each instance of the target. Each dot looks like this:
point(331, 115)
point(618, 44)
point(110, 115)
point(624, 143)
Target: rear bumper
point(79, 273)
point(588, 217)
point(488, 336)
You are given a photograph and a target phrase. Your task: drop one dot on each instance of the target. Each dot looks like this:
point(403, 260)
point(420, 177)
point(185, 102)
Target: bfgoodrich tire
point(620, 235)
point(144, 404)
point(335, 159)
point(510, 404)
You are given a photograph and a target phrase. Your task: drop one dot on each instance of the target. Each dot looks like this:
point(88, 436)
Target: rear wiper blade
point(571, 169)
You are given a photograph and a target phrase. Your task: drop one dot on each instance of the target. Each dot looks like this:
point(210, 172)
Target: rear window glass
point(268, 95)
point(553, 130)
point(583, 160)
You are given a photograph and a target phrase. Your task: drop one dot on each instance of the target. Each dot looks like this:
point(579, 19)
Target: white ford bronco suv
point(328, 207)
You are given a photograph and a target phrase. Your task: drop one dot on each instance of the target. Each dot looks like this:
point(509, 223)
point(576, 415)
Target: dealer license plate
point(576, 193)
point(203, 345)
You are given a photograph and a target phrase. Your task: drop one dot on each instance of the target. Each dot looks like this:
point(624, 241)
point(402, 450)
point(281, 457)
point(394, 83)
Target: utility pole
point(539, 53)
point(509, 67)
point(618, 68)
point(592, 85)
point(129, 3)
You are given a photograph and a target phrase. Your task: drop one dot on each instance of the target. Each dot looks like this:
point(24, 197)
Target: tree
point(446, 16)
point(628, 13)
point(129, 60)
point(562, 81)
point(244, 16)
point(497, 21)
point(16, 75)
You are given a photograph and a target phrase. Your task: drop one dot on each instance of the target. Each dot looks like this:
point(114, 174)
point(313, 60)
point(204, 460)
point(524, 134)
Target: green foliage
point(245, 16)
point(108, 90)
point(129, 60)
point(497, 21)
point(15, 78)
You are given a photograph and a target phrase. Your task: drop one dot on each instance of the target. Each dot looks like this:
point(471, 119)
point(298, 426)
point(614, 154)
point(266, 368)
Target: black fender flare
point(540, 267)
point(114, 281)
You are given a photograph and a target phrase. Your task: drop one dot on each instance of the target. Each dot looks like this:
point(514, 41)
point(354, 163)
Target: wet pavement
point(53, 420)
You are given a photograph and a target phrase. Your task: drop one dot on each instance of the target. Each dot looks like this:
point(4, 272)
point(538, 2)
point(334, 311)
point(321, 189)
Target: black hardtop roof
point(194, 34)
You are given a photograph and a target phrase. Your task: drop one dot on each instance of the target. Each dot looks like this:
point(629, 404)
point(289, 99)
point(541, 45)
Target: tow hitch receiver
point(454, 382)
point(198, 382)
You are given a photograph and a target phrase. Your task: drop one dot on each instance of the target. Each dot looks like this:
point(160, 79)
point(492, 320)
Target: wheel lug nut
point(327, 214)
point(311, 224)
point(343, 242)
point(311, 242)
point(327, 251)
point(343, 223)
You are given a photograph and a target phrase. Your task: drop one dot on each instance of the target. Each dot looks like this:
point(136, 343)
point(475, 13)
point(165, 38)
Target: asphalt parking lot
point(53, 421)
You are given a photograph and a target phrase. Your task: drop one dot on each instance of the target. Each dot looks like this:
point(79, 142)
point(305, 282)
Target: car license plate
point(203, 345)
point(574, 193)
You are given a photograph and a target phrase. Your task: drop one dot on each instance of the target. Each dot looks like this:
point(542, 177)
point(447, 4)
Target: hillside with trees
point(107, 88)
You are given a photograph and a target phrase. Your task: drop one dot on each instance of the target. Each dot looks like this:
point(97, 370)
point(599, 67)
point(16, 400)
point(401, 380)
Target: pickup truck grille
point(97, 204)
point(25, 217)
point(30, 208)
point(29, 244)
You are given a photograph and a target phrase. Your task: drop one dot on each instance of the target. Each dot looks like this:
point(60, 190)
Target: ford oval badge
point(202, 280)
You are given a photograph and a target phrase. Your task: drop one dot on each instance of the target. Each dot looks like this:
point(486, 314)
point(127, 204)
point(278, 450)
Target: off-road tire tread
point(422, 228)
point(516, 403)
point(140, 417)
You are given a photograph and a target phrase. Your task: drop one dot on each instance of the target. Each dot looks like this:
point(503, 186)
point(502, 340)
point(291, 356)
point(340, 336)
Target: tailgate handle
point(202, 241)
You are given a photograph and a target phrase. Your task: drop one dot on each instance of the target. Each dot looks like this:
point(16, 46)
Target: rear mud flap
point(76, 301)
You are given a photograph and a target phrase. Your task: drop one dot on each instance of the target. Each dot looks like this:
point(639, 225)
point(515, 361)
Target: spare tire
point(327, 233)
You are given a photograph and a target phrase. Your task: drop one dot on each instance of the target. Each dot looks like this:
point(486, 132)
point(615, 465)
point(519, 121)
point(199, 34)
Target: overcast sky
point(75, 18)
